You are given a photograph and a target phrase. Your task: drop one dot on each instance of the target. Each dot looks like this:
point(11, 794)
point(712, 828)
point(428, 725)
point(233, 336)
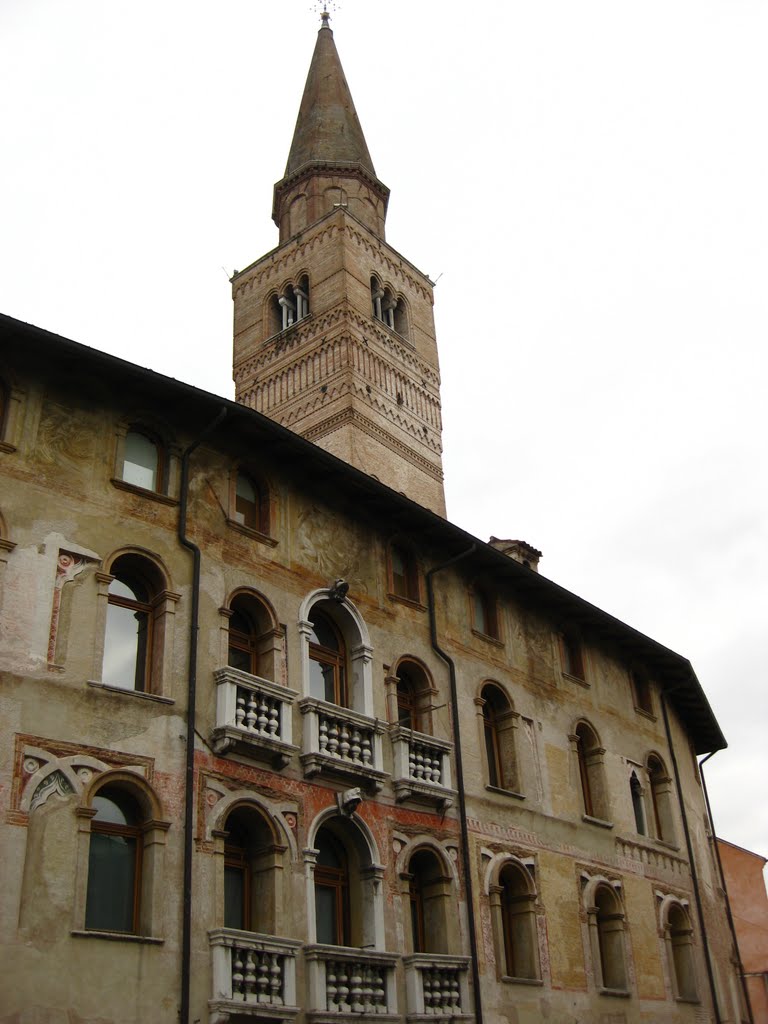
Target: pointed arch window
point(332, 909)
point(327, 660)
point(114, 862)
point(636, 792)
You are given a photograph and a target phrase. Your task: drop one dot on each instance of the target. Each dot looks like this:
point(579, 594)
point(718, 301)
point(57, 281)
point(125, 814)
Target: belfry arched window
point(290, 305)
point(389, 308)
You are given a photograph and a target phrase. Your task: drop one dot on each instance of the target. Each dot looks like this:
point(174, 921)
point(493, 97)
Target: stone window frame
point(503, 728)
point(166, 492)
point(488, 599)
point(607, 935)
point(424, 695)
point(152, 896)
point(269, 645)
point(390, 307)
point(11, 399)
point(679, 948)
point(288, 305)
point(412, 591)
point(267, 505)
point(660, 803)
point(531, 911)
point(163, 610)
point(358, 647)
point(366, 877)
point(276, 860)
point(590, 774)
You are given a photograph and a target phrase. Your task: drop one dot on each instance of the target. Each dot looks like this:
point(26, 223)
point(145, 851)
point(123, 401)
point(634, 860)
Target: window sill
point(600, 822)
point(131, 693)
point(688, 1000)
point(148, 940)
point(248, 531)
point(576, 679)
point(506, 792)
point(667, 845)
point(618, 993)
point(646, 714)
point(508, 979)
point(143, 492)
point(6, 446)
point(410, 602)
point(494, 640)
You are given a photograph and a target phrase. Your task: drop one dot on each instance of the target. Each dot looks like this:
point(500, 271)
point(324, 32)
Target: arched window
point(290, 306)
point(608, 920)
point(498, 728)
point(679, 939)
point(413, 697)
point(114, 862)
point(129, 643)
point(142, 464)
point(429, 898)
point(484, 617)
point(249, 870)
point(388, 308)
point(403, 571)
point(327, 660)
point(661, 799)
point(516, 898)
point(572, 655)
point(636, 792)
point(591, 775)
point(332, 908)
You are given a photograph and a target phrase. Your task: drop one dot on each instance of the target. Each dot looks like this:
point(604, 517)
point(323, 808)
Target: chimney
point(519, 550)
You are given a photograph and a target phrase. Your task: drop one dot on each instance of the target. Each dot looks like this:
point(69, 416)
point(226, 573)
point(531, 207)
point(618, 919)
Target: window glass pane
point(322, 681)
point(116, 809)
point(234, 897)
point(111, 881)
point(481, 619)
point(125, 647)
point(238, 658)
point(326, 915)
point(246, 502)
point(140, 464)
point(323, 633)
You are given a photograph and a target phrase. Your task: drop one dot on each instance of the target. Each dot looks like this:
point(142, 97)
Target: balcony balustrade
point(350, 982)
point(253, 716)
point(254, 975)
point(422, 767)
point(341, 743)
point(437, 986)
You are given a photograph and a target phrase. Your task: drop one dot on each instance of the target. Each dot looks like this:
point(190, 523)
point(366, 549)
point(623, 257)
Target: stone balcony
point(253, 717)
point(253, 976)
point(353, 983)
point(341, 744)
point(422, 768)
point(437, 986)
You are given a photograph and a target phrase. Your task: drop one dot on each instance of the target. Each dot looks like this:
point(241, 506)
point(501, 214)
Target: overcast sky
point(585, 180)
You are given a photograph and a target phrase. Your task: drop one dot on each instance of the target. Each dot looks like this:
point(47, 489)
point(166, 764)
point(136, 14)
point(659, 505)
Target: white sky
point(588, 178)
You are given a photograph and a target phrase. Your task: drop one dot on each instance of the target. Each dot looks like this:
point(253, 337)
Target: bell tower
point(334, 333)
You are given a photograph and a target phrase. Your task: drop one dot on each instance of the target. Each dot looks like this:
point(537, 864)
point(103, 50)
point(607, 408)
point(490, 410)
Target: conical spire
point(327, 128)
point(329, 166)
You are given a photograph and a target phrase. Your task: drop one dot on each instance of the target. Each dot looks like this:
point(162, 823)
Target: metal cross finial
point(325, 13)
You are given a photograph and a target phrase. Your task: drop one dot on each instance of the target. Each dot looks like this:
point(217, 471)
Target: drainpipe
point(189, 778)
point(459, 779)
point(742, 977)
point(691, 861)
